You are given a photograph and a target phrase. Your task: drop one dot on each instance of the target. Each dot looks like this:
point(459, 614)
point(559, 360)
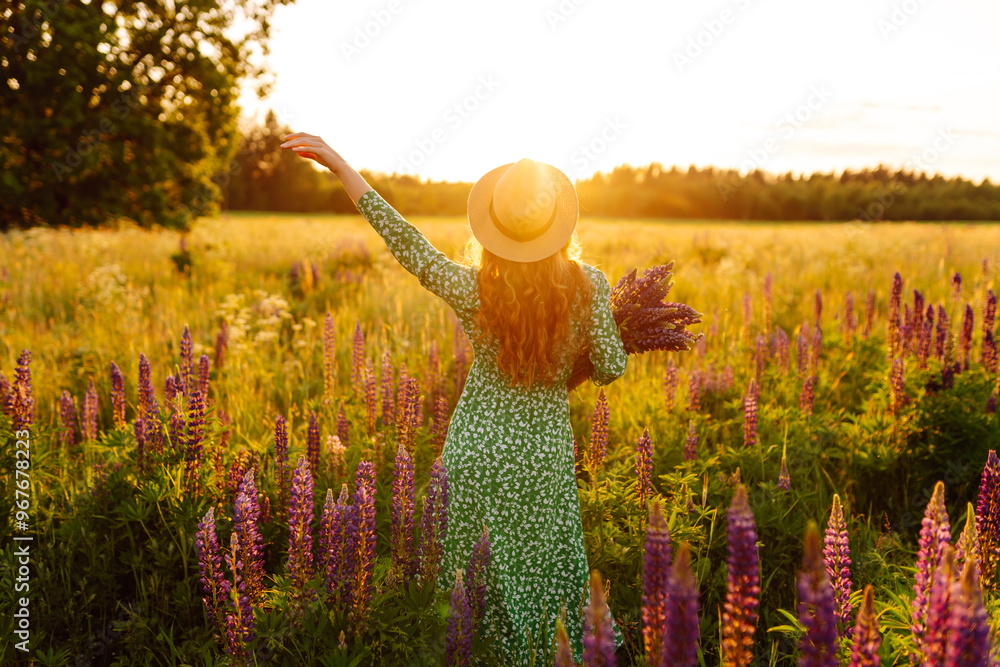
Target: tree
point(122, 108)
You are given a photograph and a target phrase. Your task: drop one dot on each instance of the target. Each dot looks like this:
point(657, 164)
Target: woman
point(530, 309)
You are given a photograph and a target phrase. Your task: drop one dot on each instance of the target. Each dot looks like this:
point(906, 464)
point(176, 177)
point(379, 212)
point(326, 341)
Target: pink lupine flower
point(148, 407)
point(681, 625)
point(968, 634)
point(598, 640)
point(246, 523)
point(694, 390)
point(300, 516)
point(644, 467)
point(893, 338)
point(312, 441)
point(781, 350)
point(691, 444)
point(458, 644)
point(193, 442)
point(897, 386)
point(801, 352)
point(117, 395)
point(750, 415)
point(934, 643)
point(357, 356)
point(439, 427)
point(402, 517)
point(867, 638)
point(599, 432)
point(90, 410)
point(371, 399)
point(362, 541)
point(67, 415)
point(850, 322)
point(988, 518)
point(965, 340)
point(818, 646)
point(281, 456)
point(434, 522)
point(739, 615)
point(187, 361)
point(475, 575)
point(670, 385)
point(941, 338)
point(935, 534)
point(837, 557)
point(386, 389)
point(814, 350)
point(343, 426)
point(655, 576)
point(204, 363)
point(335, 554)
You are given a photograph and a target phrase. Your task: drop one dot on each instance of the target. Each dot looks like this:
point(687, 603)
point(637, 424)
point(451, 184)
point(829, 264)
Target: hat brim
point(549, 243)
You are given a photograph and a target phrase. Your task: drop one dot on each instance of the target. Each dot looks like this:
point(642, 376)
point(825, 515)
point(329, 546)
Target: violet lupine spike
point(599, 432)
point(866, 637)
point(816, 608)
point(988, 518)
point(339, 563)
point(187, 361)
point(564, 654)
point(694, 390)
point(767, 302)
point(246, 523)
point(670, 385)
point(357, 356)
point(148, 406)
point(386, 389)
point(6, 396)
point(935, 534)
point(869, 313)
point(281, 456)
point(204, 366)
point(967, 546)
point(439, 427)
point(343, 425)
point(968, 632)
point(934, 642)
point(170, 392)
point(781, 350)
point(117, 395)
point(90, 411)
point(434, 522)
point(655, 581)
point(458, 643)
point(965, 339)
point(193, 442)
point(413, 408)
point(644, 467)
point(941, 335)
point(300, 540)
point(312, 441)
point(850, 322)
point(837, 558)
point(475, 575)
point(691, 444)
point(239, 620)
point(221, 345)
point(784, 481)
point(371, 398)
point(956, 286)
point(739, 615)
point(989, 353)
point(814, 350)
point(750, 415)
point(681, 628)
point(363, 544)
point(801, 354)
point(818, 308)
point(989, 311)
point(67, 417)
point(598, 640)
point(329, 357)
point(402, 516)
point(892, 338)
point(175, 432)
point(926, 340)
point(897, 386)
point(213, 579)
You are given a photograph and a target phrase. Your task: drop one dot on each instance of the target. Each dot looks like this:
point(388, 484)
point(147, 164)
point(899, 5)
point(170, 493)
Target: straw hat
point(523, 211)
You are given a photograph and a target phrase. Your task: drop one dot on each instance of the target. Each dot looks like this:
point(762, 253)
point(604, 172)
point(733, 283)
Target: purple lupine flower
point(926, 338)
point(117, 395)
point(869, 313)
point(837, 558)
point(784, 481)
point(148, 407)
point(439, 427)
point(694, 390)
point(781, 350)
point(598, 640)
point(204, 364)
point(989, 312)
point(458, 644)
point(599, 433)
point(386, 389)
point(213, 579)
point(965, 340)
point(767, 301)
point(691, 445)
point(968, 634)
point(343, 425)
point(918, 312)
point(739, 615)
point(934, 642)
point(171, 392)
point(402, 516)
point(818, 646)
point(221, 344)
point(67, 415)
point(818, 308)
point(866, 636)
point(239, 620)
point(956, 286)
point(564, 655)
point(988, 518)
point(329, 356)
point(967, 547)
point(175, 432)
point(187, 361)
point(479, 564)
point(371, 399)
point(434, 521)
point(850, 319)
point(357, 356)
point(362, 541)
point(335, 548)
point(90, 411)
point(750, 415)
point(817, 345)
point(681, 625)
point(655, 581)
point(281, 456)
point(894, 307)
point(644, 467)
point(801, 352)
point(300, 516)
point(670, 385)
point(6, 396)
point(747, 318)
point(897, 386)
point(246, 523)
point(312, 441)
point(989, 353)
point(941, 338)
point(192, 443)
point(935, 533)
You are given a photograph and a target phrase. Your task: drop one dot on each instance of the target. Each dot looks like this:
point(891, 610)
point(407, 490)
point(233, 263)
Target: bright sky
point(449, 89)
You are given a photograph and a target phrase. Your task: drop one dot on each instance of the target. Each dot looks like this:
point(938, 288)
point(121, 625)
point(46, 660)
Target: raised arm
point(607, 353)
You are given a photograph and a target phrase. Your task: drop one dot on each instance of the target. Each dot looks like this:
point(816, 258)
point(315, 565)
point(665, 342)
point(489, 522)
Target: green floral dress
point(509, 458)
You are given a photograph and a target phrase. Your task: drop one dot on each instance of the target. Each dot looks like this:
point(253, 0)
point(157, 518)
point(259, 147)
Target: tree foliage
point(122, 108)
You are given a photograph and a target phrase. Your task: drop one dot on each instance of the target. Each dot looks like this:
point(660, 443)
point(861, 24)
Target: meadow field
point(309, 319)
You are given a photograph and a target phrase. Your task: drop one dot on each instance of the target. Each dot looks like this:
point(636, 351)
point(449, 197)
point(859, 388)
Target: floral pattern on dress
point(509, 458)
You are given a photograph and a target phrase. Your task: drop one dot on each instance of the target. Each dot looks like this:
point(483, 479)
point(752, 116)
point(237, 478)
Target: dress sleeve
point(607, 353)
point(453, 282)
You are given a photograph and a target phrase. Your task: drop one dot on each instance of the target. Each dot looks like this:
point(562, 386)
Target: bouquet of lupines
point(646, 321)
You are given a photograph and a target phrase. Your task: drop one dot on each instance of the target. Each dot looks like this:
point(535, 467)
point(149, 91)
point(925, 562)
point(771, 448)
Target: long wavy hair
point(527, 306)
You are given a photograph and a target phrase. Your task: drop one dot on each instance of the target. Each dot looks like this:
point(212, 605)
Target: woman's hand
point(314, 148)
